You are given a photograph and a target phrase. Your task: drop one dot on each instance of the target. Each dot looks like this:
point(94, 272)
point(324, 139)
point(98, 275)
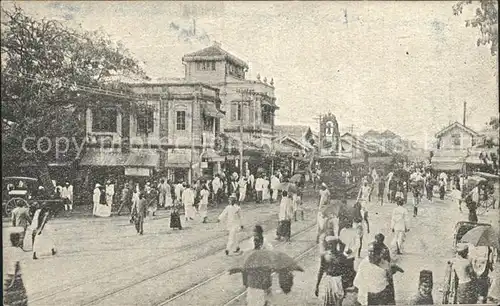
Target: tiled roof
point(296, 131)
point(214, 52)
point(459, 125)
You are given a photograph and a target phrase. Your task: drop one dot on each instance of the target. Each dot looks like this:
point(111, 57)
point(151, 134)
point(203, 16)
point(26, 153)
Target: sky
point(403, 66)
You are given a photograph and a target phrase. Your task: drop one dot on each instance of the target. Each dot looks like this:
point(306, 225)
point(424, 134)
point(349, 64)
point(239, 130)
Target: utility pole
point(245, 92)
point(465, 111)
point(319, 134)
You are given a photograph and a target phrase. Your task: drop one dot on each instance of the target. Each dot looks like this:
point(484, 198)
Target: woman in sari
point(331, 271)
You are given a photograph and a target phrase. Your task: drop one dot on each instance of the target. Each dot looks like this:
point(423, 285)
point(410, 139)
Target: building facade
point(249, 105)
point(170, 133)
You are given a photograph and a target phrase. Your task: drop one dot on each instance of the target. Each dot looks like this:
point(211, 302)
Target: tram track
point(222, 272)
point(142, 261)
point(218, 240)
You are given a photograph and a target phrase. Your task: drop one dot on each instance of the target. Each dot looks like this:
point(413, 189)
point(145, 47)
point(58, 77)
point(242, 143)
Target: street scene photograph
point(259, 153)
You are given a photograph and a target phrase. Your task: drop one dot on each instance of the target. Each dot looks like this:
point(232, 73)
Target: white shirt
point(233, 215)
point(67, 192)
point(188, 197)
point(324, 195)
point(178, 190)
point(364, 193)
point(216, 184)
point(204, 196)
point(97, 195)
point(110, 190)
point(275, 182)
point(399, 221)
point(259, 184)
point(349, 237)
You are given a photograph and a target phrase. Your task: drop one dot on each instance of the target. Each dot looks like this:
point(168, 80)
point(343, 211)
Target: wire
point(79, 87)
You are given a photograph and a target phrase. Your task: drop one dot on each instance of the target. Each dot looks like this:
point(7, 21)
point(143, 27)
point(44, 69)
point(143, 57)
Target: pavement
point(102, 261)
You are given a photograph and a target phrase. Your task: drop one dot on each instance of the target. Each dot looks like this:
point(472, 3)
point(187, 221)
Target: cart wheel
point(12, 203)
point(482, 208)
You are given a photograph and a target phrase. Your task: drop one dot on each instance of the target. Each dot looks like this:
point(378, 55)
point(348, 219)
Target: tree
point(494, 123)
point(486, 19)
point(50, 74)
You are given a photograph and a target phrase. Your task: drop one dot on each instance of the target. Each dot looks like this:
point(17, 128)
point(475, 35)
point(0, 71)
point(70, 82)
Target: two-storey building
point(170, 131)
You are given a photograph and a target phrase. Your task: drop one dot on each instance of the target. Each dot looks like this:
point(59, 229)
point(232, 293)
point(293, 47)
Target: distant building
point(454, 145)
point(356, 148)
point(456, 136)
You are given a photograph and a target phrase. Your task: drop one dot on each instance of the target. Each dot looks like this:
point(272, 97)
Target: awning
point(143, 158)
point(178, 159)
point(210, 110)
point(446, 166)
point(103, 158)
point(212, 156)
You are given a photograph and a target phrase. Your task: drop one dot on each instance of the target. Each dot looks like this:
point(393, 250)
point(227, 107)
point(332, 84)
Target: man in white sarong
point(162, 191)
point(399, 226)
point(203, 208)
point(216, 186)
point(363, 199)
point(110, 192)
point(96, 198)
point(324, 198)
point(232, 213)
point(188, 201)
point(243, 189)
point(275, 184)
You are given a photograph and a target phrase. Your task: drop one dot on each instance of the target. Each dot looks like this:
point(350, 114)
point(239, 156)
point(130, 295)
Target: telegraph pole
point(244, 92)
point(465, 111)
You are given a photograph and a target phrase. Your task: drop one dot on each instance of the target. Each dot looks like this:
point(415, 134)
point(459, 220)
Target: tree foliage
point(486, 19)
point(494, 123)
point(44, 65)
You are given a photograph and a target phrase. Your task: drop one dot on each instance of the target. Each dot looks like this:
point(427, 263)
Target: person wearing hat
point(424, 294)
point(188, 202)
point(140, 208)
point(232, 213)
point(67, 195)
point(110, 192)
point(96, 198)
point(399, 225)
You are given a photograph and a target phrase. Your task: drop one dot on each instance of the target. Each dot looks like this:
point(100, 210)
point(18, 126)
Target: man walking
point(67, 195)
point(140, 206)
point(216, 187)
point(188, 201)
point(110, 192)
point(275, 182)
point(399, 225)
point(232, 213)
point(126, 199)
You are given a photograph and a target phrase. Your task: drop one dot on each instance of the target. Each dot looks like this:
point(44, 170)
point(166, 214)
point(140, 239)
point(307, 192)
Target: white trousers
point(232, 239)
point(275, 194)
point(189, 211)
point(109, 200)
point(243, 192)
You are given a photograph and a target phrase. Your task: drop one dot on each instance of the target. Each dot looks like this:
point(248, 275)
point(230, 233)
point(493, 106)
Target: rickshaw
point(20, 190)
point(488, 185)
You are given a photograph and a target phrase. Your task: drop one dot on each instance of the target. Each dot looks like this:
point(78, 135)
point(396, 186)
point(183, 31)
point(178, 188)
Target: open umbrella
point(296, 178)
point(266, 260)
point(481, 236)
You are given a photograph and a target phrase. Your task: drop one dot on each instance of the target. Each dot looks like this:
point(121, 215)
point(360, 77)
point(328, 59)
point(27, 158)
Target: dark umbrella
point(266, 259)
point(481, 236)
